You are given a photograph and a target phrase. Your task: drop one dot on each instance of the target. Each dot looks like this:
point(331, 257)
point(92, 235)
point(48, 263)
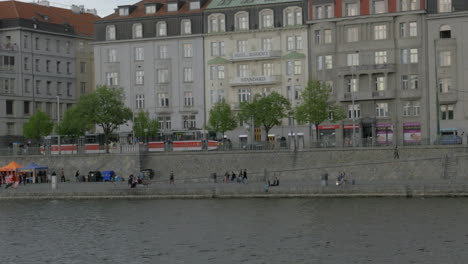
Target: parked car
point(450, 140)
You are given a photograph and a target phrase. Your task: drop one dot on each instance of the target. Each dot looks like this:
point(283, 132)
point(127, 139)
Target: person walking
point(396, 155)
point(226, 177)
point(244, 177)
point(77, 176)
point(171, 178)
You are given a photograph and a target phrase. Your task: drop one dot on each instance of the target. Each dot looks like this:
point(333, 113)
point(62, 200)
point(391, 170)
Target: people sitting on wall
point(341, 179)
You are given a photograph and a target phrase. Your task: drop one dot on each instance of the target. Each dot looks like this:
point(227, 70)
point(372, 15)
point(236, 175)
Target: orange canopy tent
point(12, 167)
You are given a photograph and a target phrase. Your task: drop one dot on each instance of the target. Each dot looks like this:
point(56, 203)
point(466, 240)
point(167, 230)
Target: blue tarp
point(107, 175)
point(33, 166)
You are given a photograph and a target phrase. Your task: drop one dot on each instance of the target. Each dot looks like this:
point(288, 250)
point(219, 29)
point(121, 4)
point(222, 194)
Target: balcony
point(347, 96)
point(449, 97)
point(256, 55)
point(363, 69)
point(411, 93)
point(387, 94)
point(255, 80)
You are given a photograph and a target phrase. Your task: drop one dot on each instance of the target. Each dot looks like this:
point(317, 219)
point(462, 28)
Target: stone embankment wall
point(366, 164)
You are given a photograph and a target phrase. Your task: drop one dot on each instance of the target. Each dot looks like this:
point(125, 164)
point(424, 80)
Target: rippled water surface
point(235, 231)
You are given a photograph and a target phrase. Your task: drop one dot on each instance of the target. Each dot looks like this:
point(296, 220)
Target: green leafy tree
point(143, 121)
point(38, 126)
point(222, 118)
point(104, 107)
point(265, 111)
point(73, 124)
point(315, 107)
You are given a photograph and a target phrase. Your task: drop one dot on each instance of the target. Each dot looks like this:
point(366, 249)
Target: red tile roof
point(82, 23)
point(139, 11)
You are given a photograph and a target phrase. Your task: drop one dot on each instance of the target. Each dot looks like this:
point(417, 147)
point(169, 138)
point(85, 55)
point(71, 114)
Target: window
point(242, 21)
point(413, 55)
point(352, 85)
point(172, 7)
point(243, 70)
point(139, 77)
point(289, 67)
point(194, 5)
point(407, 5)
point(447, 112)
point(292, 16)
point(37, 65)
point(112, 55)
point(294, 42)
point(352, 34)
point(161, 28)
point(214, 48)
point(137, 30)
point(82, 67)
point(298, 16)
point(380, 82)
point(123, 11)
point(189, 99)
point(404, 82)
point(37, 44)
point(69, 68)
point(267, 69)
point(445, 32)
point(163, 99)
point(353, 59)
point(58, 66)
point(297, 67)
point(188, 50)
point(26, 108)
point(318, 37)
point(83, 87)
point(47, 47)
point(414, 81)
point(242, 46)
point(27, 85)
point(216, 23)
point(407, 109)
point(266, 18)
point(140, 101)
point(10, 129)
point(289, 18)
point(110, 32)
point(404, 56)
point(319, 62)
point(329, 62)
point(47, 65)
point(69, 88)
point(381, 109)
point(290, 41)
point(59, 88)
point(416, 108)
point(163, 76)
point(352, 10)
point(354, 111)
point(163, 52)
point(327, 36)
point(380, 32)
point(445, 6)
point(26, 63)
point(164, 122)
point(67, 47)
point(188, 77)
point(445, 58)
point(139, 54)
point(378, 6)
point(26, 41)
point(38, 87)
point(186, 27)
point(213, 72)
point(380, 57)
point(445, 85)
point(220, 72)
point(324, 11)
point(112, 78)
point(244, 95)
point(413, 29)
point(189, 121)
point(403, 30)
point(221, 48)
point(267, 44)
point(150, 9)
point(7, 86)
point(213, 96)
point(329, 84)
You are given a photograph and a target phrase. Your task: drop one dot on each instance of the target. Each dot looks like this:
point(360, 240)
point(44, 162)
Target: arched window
point(161, 29)
point(445, 31)
point(137, 30)
point(242, 20)
point(216, 23)
point(266, 18)
point(110, 32)
point(292, 16)
point(186, 27)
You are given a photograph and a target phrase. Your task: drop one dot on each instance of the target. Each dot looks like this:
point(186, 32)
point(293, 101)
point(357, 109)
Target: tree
point(222, 119)
point(315, 107)
point(104, 107)
point(142, 122)
point(265, 111)
point(73, 123)
point(38, 126)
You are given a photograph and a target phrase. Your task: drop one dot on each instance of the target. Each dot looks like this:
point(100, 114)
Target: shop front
point(348, 135)
point(384, 133)
point(412, 133)
point(327, 135)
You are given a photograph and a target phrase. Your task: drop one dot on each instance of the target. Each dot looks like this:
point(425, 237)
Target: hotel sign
point(255, 54)
point(263, 79)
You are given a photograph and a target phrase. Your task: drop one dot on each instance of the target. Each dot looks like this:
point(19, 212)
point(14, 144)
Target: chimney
point(92, 11)
point(82, 9)
point(43, 3)
point(75, 9)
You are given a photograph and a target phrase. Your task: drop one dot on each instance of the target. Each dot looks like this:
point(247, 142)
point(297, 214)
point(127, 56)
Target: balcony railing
point(387, 94)
point(9, 46)
point(410, 93)
point(448, 97)
point(388, 67)
point(256, 55)
point(255, 80)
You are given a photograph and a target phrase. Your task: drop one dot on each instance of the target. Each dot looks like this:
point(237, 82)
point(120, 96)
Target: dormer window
point(123, 11)
point(137, 30)
point(194, 5)
point(293, 16)
point(150, 9)
point(242, 21)
point(172, 7)
point(216, 23)
point(266, 18)
point(110, 32)
point(186, 27)
point(161, 28)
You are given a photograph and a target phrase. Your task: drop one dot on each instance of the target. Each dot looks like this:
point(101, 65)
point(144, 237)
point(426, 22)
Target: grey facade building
point(44, 56)
point(372, 54)
point(448, 73)
point(154, 51)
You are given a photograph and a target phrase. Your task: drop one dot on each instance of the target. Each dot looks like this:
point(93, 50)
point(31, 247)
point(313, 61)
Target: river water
point(292, 231)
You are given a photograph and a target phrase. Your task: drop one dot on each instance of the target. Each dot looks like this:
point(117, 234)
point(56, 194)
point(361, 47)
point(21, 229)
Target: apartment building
point(154, 51)
point(447, 68)
point(42, 49)
point(372, 54)
point(255, 47)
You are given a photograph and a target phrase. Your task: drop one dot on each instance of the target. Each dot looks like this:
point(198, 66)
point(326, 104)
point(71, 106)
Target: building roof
point(215, 4)
point(83, 23)
point(139, 10)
